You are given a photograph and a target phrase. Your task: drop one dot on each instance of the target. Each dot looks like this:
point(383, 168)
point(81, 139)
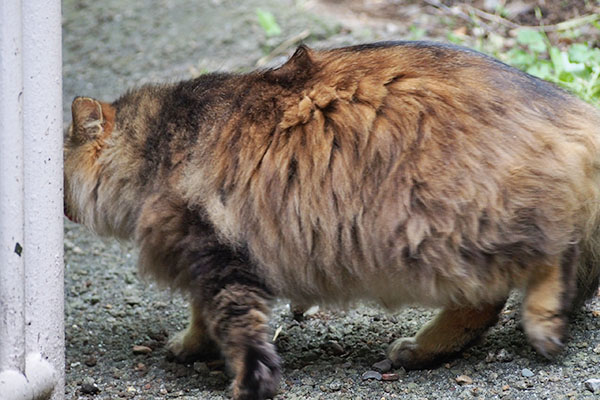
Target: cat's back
point(391, 157)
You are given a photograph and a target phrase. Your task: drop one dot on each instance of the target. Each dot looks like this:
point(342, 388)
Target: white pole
point(12, 272)
point(31, 224)
point(43, 137)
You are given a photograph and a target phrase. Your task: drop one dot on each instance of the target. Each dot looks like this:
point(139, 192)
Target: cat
point(395, 172)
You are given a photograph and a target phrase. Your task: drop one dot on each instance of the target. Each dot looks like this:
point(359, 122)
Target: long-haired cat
point(400, 173)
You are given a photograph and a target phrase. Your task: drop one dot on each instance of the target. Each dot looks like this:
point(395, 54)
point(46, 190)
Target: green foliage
point(576, 68)
point(454, 38)
point(267, 21)
point(416, 33)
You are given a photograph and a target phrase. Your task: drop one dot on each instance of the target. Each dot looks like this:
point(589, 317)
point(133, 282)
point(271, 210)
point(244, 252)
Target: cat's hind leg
point(549, 294)
point(451, 331)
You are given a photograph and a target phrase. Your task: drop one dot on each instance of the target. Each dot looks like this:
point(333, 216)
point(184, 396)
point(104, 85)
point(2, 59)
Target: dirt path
point(112, 45)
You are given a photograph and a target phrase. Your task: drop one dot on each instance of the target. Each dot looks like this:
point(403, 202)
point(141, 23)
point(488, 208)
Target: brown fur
point(400, 173)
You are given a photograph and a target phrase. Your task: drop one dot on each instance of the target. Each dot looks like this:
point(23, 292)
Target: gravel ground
point(117, 325)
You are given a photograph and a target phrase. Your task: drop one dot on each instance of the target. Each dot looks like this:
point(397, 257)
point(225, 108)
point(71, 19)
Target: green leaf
point(268, 23)
point(520, 58)
point(565, 76)
point(454, 38)
point(542, 70)
point(416, 33)
point(556, 59)
point(568, 66)
point(533, 39)
point(580, 52)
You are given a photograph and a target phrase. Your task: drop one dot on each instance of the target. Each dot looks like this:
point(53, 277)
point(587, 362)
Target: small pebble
point(77, 250)
point(371, 375)
point(527, 373)
point(182, 371)
point(593, 385)
point(523, 385)
point(390, 377)
point(141, 350)
point(463, 380)
point(87, 388)
point(334, 348)
point(88, 380)
point(91, 362)
point(504, 356)
point(310, 356)
point(141, 367)
point(311, 311)
point(133, 300)
point(383, 365)
point(201, 367)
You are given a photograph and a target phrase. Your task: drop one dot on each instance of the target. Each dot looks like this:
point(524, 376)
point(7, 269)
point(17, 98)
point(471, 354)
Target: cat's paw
point(402, 352)
point(546, 334)
point(405, 352)
point(259, 376)
point(185, 347)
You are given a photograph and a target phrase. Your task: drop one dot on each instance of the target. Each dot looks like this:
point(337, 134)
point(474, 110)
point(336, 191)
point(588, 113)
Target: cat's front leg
point(237, 317)
point(194, 342)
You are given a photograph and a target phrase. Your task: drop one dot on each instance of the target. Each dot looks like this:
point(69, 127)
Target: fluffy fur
point(401, 173)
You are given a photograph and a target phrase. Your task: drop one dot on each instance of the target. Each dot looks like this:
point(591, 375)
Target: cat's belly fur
point(391, 286)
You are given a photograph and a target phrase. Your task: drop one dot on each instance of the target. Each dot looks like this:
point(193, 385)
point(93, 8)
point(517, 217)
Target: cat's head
point(87, 165)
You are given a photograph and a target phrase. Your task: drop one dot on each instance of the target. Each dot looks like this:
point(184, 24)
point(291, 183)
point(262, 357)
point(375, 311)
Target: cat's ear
point(92, 119)
point(297, 69)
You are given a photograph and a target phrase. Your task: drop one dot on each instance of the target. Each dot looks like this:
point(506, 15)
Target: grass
point(576, 67)
point(267, 22)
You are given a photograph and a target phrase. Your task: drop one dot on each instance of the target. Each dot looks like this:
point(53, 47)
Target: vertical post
point(43, 137)
point(12, 272)
point(31, 224)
